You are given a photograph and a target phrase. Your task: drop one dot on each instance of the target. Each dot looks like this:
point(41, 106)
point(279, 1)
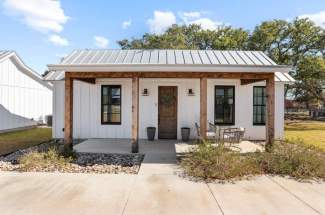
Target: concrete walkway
point(56, 193)
point(157, 189)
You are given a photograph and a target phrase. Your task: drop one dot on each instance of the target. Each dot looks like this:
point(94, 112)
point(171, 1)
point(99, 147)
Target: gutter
point(168, 68)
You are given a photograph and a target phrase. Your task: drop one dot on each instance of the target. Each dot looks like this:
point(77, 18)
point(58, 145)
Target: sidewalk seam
point(129, 194)
point(215, 199)
point(294, 195)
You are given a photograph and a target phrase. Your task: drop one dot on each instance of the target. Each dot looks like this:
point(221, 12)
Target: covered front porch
point(161, 148)
point(204, 104)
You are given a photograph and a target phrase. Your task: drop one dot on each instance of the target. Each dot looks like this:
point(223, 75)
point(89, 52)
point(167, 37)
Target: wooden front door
point(167, 112)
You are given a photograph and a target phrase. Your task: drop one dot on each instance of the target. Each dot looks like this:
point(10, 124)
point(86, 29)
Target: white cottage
point(25, 98)
point(119, 93)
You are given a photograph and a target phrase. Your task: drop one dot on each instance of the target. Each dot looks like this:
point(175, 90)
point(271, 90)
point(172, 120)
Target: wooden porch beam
point(68, 114)
point(223, 75)
point(203, 107)
point(135, 115)
point(249, 81)
point(87, 80)
point(270, 109)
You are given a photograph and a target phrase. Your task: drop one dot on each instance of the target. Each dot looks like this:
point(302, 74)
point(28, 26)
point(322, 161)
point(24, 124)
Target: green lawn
point(311, 132)
point(10, 142)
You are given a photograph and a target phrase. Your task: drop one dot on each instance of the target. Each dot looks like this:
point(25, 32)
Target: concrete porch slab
point(123, 146)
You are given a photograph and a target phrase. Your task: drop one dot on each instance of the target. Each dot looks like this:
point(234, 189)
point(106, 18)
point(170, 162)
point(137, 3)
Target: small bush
point(296, 160)
point(209, 162)
point(293, 159)
point(43, 160)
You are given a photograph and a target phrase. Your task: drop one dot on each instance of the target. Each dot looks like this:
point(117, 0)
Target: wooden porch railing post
point(68, 114)
point(135, 114)
point(270, 108)
point(203, 107)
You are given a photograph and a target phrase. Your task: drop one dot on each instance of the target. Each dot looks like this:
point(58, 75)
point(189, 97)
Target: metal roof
point(160, 60)
point(167, 57)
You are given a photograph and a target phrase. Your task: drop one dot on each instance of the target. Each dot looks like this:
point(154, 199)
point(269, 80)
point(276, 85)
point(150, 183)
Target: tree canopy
point(299, 43)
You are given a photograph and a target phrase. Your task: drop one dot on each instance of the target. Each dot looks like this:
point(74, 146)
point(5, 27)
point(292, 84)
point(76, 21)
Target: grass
point(308, 132)
point(44, 160)
point(299, 161)
point(10, 142)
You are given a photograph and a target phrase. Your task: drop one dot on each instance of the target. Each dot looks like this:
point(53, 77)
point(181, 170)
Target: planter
point(185, 131)
point(151, 131)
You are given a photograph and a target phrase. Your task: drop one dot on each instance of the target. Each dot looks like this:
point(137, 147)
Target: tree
point(299, 43)
point(310, 84)
point(288, 43)
point(190, 37)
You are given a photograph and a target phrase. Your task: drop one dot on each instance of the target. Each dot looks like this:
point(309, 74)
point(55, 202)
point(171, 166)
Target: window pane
point(105, 117)
point(115, 109)
point(114, 118)
point(105, 91)
point(220, 92)
point(230, 92)
point(259, 105)
point(111, 104)
point(224, 105)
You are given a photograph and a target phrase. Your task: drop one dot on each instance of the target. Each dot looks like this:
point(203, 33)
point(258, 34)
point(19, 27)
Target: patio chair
point(211, 134)
point(233, 135)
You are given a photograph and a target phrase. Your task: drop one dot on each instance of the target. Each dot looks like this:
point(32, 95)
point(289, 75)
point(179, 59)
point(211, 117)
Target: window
point(111, 104)
point(224, 109)
point(259, 101)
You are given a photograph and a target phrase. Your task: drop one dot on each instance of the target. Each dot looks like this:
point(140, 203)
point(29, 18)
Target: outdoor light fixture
point(191, 92)
point(145, 92)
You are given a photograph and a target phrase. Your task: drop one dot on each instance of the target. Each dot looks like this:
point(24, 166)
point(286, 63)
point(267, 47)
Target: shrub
point(209, 162)
point(43, 160)
point(292, 159)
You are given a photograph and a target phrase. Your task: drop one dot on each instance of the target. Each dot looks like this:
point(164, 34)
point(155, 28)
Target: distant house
point(119, 93)
point(25, 99)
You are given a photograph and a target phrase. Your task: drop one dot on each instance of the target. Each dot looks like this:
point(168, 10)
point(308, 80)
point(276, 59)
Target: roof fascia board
point(169, 68)
point(29, 72)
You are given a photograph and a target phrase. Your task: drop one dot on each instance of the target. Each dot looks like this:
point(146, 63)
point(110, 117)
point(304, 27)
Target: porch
point(194, 109)
point(159, 148)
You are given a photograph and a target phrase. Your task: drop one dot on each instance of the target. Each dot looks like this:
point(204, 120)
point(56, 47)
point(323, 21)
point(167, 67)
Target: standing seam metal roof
point(201, 57)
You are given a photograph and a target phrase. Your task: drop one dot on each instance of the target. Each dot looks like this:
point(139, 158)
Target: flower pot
point(185, 131)
point(151, 131)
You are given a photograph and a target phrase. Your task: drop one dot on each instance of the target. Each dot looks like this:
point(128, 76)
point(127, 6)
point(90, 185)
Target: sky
point(44, 31)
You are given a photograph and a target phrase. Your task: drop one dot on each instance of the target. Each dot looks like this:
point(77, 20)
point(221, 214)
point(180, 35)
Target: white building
point(25, 98)
point(115, 90)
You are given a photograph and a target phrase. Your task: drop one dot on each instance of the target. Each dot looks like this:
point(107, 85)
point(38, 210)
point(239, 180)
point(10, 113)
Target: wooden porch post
point(135, 114)
point(270, 108)
point(68, 114)
point(203, 107)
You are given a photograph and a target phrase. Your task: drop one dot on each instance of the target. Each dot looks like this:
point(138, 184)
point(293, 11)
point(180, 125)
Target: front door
point(167, 112)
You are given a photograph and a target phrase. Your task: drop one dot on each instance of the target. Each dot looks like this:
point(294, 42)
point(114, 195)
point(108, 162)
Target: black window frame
point(102, 105)
point(234, 104)
point(264, 97)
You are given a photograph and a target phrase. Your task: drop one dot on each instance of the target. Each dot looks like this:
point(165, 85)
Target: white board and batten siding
point(24, 101)
point(87, 106)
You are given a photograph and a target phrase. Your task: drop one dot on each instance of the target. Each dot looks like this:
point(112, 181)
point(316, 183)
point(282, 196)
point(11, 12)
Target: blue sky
point(42, 31)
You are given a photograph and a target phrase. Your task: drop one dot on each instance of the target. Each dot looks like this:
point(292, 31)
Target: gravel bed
point(84, 163)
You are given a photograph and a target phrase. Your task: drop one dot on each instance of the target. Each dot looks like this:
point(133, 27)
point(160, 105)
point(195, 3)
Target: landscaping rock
point(98, 163)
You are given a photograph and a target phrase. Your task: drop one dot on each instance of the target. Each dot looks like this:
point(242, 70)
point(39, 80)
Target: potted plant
point(185, 131)
point(151, 131)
